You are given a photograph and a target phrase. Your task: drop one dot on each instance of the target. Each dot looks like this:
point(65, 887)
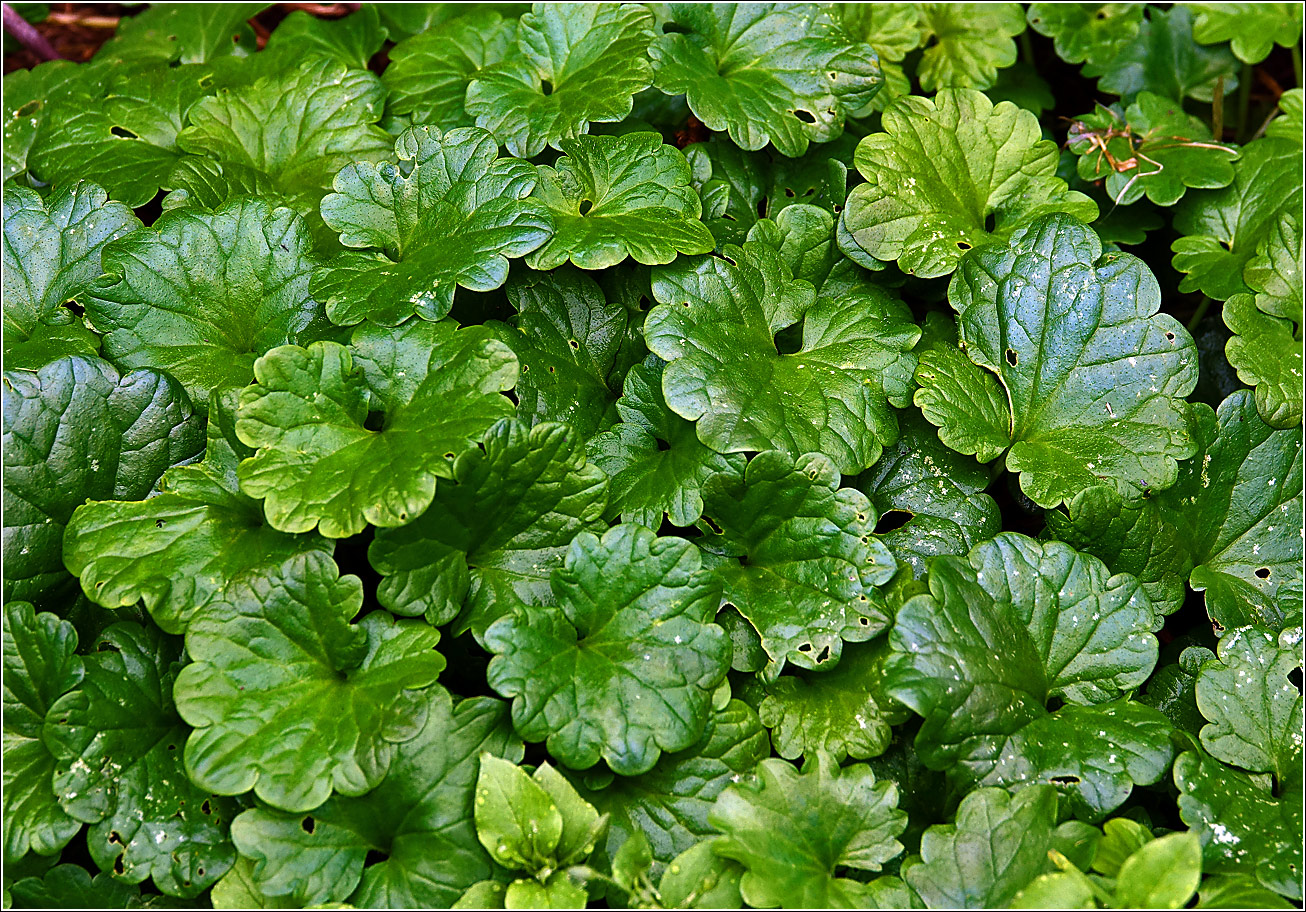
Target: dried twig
point(25, 34)
point(104, 22)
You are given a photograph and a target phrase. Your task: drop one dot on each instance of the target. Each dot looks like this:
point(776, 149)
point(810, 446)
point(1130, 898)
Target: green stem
point(1198, 314)
point(1296, 63)
point(1027, 49)
point(1244, 99)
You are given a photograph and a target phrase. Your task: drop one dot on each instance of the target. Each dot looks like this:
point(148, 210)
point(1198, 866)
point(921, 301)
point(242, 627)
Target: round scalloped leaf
point(1267, 356)
point(498, 529)
point(946, 169)
point(117, 742)
point(716, 324)
point(40, 666)
point(179, 549)
point(318, 464)
point(574, 64)
point(1087, 32)
point(77, 429)
point(352, 40)
point(583, 671)
point(1163, 58)
point(656, 462)
point(203, 294)
point(451, 213)
point(1253, 29)
point(810, 563)
point(669, 804)
point(420, 817)
point(168, 33)
point(791, 830)
point(51, 255)
point(967, 43)
point(289, 698)
point(1070, 331)
point(429, 72)
point(619, 196)
point(783, 74)
point(70, 886)
point(1004, 631)
point(27, 98)
point(1231, 525)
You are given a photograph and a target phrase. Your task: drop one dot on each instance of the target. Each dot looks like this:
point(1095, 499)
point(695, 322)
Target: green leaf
point(791, 830)
point(1253, 704)
point(27, 98)
point(165, 33)
point(698, 878)
point(1067, 329)
point(122, 128)
point(1087, 32)
point(574, 64)
point(578, 671)
point(946, 169)
point(429, 72)
point(967, 43)
point(498, 531)
point(40, 666)
point(1275, 273)
point(716, 325)
point(420, 817)
point(319, 465)
point(1288, 124)
point(1245, 828)
point(293, 129)
point(1002, 633)
point(1222, 229)
point(450, 214)
point(567, 338)
point(844, 712)
point(1163, 58)
point(935, 492)
point(893, 30)
point(656, 462)
point(810, 566)
point(1230, 526)
point(1056, 891)
point(1163, 874)
point(997, 846)
point(290, 698)
point(70, 886)
point(181, 548)
point(1151, 148)
point(669, 804)
point(787, 75)
point(619, 196)
point(117, 741)
point(203, 294)
point(352, 40)
point(77, 429)
point(1253, 29)
point(1172, 689)
point(51, 256)
point(967, 403)
point(1237, 891)
point(1268, 357)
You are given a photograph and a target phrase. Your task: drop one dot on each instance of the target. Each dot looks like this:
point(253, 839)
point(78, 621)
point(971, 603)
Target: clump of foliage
point(660, 456)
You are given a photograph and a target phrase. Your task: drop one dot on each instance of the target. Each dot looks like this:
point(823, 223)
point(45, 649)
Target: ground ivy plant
point(654, 456)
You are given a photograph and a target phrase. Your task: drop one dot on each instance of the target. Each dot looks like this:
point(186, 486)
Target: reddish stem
point(23, 32)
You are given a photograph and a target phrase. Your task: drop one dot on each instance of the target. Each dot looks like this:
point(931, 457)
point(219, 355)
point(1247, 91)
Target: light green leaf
point(1059, 890)
point(168, 33)
point(1163, 874)
point(117, 741)
point(352, 40)
point(619, 196)
point(1253, 29)
point(1163, 58)
point(967, 43)
point(574, 64)
point(791, 830)
point(893, 30)
point(319, 464)
point(787, 75)
point(77, 429)
point(578, 671)
point(698, 878)
point(498, 530)
point(1222, 229)
point(810, 563)
point(449, 214)
point(203, 294)
point(716, 325)
point(946, 169)
point(1237, 891)
point(1288, 124)
point(1230, 526)
point(1087, 32)
point(428, 73)
point(1268, 357)
point(291, 699)
point(1068, 329)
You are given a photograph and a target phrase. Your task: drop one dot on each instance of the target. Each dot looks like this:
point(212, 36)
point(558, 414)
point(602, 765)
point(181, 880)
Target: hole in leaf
point(864, 621)
point(789, 192)
point(674, 28)
point(449, 455)
point(1294, 678)
point(893, 520)
point(1065, 780)
point(123, 132)
point(805, 647)
point(663, 446)
point(172, 747)
point(1100, 14)
point(962, 245)
point(711, 524)
point(205, 807)
point(374, 857)
point(1263, 573)
point(1012, 358)
point(825, 654)
point(546, 87)
point(806, 117)
point(990, 222)
point(575, 345)
point(375, 421)
point(585, 207)
point(115, 838)
point(159, 524)
point(761, 207)
point(309, 825)
point(199, 871)
point(118, 866)
point(1169, 336)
